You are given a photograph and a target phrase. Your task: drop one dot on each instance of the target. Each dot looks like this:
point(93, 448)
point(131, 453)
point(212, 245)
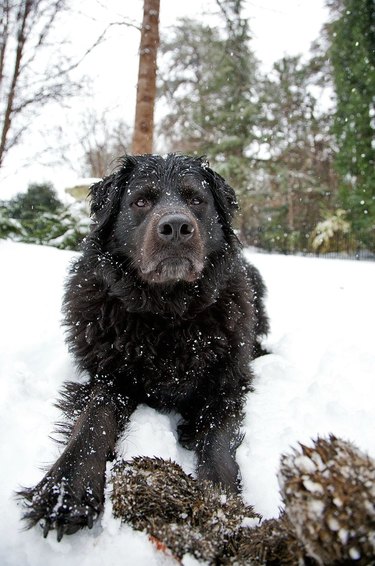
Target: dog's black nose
point(175, 228)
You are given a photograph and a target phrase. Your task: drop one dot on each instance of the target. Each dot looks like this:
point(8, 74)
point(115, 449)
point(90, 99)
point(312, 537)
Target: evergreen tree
point(352, 54)
point(269, 136)
point(9, 227)
point(299, 168)
point(39, 198)
point(209, 84)
point(39, 217)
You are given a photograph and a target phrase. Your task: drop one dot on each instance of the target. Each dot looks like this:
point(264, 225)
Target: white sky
point(277, 28)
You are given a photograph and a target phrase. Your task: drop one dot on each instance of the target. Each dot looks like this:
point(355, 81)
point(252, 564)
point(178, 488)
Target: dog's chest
point(171, 360)
point(176, 347)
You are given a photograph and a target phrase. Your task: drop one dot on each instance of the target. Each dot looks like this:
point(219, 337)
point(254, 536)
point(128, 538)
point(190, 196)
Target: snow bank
point(318, 379)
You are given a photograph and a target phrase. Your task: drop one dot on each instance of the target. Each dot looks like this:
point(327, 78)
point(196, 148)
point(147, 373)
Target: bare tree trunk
point(27, 80)
point(22, 16)
point(146, 87)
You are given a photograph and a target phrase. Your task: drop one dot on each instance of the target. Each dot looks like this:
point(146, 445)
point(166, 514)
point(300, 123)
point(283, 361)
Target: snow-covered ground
point(318, 379)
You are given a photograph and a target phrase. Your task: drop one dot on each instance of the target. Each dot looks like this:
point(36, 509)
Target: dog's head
point(165, 214)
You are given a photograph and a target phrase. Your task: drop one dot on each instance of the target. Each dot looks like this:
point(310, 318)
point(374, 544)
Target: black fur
point(160, 309)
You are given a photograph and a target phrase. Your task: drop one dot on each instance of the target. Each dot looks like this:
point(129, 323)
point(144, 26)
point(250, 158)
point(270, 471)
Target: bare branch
point(4, 33)
point(22, 16)
point(98, 41)
point(27, 30)
point(26, 26)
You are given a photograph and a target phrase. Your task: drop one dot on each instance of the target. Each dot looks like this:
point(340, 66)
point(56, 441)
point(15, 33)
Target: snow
point(318, 379)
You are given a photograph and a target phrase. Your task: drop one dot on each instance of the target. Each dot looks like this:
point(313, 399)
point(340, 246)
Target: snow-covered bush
point(9, 227)
point(72, 227)
point(63, 227)
point(329, 234)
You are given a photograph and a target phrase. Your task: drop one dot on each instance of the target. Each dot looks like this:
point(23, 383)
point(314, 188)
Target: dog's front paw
point(56, 505)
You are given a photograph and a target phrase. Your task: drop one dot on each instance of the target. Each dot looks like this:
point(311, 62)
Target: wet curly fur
point(162, 309)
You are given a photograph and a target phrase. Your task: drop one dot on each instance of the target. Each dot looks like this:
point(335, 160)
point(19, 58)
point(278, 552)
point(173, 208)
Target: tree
point(146, 86)
point(36, 212)
point(38, 199)
point(102, 143)
point(208, 84)
point(29, 78)
point(296, 138)
point(352, 54)
point(39, 217)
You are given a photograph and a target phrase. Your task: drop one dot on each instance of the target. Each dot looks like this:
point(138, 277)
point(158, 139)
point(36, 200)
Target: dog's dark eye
point(140, 203)
point(196, 201)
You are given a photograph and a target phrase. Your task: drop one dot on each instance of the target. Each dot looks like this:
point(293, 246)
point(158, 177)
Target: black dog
point(161, 309)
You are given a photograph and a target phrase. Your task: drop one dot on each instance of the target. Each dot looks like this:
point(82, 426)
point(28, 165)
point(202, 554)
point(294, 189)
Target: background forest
point(297, 144)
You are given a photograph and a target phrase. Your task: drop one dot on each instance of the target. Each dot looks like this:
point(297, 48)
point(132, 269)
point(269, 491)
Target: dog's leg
point(216, 457)
point(260, 318)
point(71, 494)
point(215, 440)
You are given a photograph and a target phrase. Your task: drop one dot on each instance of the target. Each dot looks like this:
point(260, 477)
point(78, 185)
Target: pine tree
point(299, 168)
point(38, 199)
point(209, 84)
point(39, 217)
point(352, 54)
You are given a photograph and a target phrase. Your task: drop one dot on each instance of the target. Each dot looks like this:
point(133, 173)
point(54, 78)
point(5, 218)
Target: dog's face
point(166, 214)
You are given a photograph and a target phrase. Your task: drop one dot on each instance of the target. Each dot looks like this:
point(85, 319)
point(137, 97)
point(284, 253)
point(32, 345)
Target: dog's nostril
point(166, 230)
point(186, 229)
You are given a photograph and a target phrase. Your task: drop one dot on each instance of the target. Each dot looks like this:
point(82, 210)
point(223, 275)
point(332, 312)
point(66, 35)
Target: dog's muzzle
point(172, 248)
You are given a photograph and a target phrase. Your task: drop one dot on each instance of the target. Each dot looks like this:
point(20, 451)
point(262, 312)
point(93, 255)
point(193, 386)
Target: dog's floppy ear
point(224, 196)
point(106, 195)
point(100, 194)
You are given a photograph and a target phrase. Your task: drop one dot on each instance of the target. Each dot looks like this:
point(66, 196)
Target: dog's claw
point(46, 529)
point(60, 532)
point(54, 506)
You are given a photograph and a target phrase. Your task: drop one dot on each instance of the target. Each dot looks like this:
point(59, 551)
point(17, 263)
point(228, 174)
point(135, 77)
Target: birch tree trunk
point(146, 87)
